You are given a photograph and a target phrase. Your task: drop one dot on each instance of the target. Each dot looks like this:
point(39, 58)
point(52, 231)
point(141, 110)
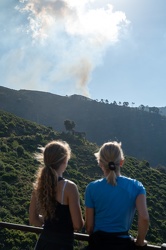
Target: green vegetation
point(19, 139)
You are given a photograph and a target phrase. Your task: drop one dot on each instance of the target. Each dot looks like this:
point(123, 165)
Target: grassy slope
point(20, 139)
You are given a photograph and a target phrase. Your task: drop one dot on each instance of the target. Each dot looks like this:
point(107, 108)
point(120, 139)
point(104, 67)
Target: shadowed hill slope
point(143, 134)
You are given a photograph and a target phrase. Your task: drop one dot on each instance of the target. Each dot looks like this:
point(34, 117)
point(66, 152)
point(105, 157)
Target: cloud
point(52, 42)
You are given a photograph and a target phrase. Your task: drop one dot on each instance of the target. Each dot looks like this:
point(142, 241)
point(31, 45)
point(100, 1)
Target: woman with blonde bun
point(111, 202)
point(55, 201)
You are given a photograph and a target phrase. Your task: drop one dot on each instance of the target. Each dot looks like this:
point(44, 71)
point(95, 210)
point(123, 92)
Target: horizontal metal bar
point(77, 236)
point(38, 230)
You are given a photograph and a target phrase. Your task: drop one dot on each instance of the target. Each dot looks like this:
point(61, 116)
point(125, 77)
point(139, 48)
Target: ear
point(121, 163)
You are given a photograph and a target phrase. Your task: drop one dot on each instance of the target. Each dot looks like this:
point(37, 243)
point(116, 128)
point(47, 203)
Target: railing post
point(163, 246)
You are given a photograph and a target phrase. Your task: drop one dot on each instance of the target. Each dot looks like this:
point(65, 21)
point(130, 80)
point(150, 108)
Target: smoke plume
point(53, 44)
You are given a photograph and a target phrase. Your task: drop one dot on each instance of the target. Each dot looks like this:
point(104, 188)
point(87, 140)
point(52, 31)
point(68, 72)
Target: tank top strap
point(60, 178)
point(63, 189)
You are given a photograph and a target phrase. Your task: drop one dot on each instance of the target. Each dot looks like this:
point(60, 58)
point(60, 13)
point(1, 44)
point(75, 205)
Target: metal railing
point(77, 236)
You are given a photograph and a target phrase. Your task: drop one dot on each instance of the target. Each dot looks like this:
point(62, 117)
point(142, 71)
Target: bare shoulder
point(71, 186)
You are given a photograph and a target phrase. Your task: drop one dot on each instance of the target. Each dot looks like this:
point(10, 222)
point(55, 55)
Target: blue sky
point(103, 49)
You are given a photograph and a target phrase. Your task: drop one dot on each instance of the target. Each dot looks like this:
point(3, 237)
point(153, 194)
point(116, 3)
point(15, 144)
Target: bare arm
point(143, 220)
point(89, 221)
point(34, 218)
point(74, 206)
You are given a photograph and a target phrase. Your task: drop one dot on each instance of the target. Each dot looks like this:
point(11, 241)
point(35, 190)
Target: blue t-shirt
point(114, 206)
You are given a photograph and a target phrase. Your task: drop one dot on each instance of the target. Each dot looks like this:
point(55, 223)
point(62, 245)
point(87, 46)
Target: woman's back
point(114, 205)
point(62, 222)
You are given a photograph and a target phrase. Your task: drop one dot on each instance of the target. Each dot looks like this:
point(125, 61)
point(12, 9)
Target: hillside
point(20, 140)
point(143, 134)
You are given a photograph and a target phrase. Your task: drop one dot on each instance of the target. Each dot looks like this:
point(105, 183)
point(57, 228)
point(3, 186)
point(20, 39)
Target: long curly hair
point(111, 152)
point(45, 186)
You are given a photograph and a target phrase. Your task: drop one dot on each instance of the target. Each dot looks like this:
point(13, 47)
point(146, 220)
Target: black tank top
point(62, 222)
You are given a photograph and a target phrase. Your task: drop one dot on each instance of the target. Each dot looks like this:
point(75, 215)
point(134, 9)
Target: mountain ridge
point(143, 134)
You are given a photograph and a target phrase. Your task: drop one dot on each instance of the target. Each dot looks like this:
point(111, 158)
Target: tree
point(126, 104)
point(69, 125)
point(142, 107)
point(20, 150)
point(154, 110)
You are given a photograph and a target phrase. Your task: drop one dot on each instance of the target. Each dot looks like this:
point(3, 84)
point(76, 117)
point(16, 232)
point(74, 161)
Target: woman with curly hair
point(111, 203)
point(55, 203)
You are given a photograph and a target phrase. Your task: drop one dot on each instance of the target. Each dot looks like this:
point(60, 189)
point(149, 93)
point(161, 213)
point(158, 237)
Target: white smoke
point(54, 42)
